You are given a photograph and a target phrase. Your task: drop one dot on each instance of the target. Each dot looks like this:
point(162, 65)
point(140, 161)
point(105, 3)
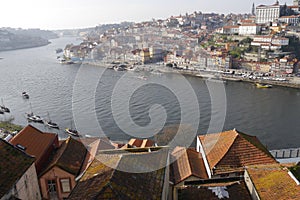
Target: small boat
point(72, 132)
point(33, 118)
point(1, 111)
point(50, 124)
point(261, 85)
point(5, 109)
point(25, 95)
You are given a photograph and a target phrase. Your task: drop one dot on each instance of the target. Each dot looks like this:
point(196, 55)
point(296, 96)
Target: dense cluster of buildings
point(226, 165)
point(264, 40)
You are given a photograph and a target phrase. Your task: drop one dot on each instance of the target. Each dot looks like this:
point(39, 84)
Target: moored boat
point(72, 132)
point(4, 108)
point(49, 123)
point(33, 118)
point(25, 95)
point(261, 85)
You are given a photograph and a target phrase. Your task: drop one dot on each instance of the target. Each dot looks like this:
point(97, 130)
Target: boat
point(1, 111)
point(3, 108)
point(261, 85)
point(33, 118)
point(72, 132)
point(25, 95)
point(50, 124)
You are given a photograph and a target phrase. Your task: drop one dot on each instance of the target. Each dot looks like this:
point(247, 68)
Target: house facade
point(18, 178)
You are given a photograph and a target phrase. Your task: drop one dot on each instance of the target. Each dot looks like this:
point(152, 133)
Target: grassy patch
point(10, 127)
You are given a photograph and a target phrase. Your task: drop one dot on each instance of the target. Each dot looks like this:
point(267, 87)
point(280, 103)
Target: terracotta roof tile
point(36, 143)
point(69, 157)
point(140, 143)
point(236, 190)
point(187, 162)
point(103, 182)
point(233, 149)
point(273, 182)
point(13, 164)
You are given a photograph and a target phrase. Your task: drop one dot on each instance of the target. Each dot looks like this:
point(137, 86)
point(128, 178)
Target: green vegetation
point(296, 171)
point(294, 46)
point(10, 127)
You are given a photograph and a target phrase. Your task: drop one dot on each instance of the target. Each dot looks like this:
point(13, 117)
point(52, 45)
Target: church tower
point(253, 10)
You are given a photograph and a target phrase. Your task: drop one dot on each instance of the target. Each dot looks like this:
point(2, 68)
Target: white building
point(249, 29)
point(290, 20)
point(270, 42)
point(268, 13)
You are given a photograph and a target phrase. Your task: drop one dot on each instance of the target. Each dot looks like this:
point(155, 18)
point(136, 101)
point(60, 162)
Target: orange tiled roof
point(69, 157)
point(273, 182)
point(188, 162)
point(233, 149)
point(35, 141)
point(140, 143)
point(13, 164)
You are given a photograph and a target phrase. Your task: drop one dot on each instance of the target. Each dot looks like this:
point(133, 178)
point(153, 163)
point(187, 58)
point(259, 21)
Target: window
point(52, 190)
point(65, 185)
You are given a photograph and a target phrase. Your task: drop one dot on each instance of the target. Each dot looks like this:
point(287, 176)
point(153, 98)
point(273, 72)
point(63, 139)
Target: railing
point(286, 153)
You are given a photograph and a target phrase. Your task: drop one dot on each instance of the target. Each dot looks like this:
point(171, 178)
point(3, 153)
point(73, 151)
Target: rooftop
point(69, 157)
point(14, 163)
point(273, 182)
point(233, 149)
point(235, 190)
point(34, 141)
point(188, 162)
point(101, 181)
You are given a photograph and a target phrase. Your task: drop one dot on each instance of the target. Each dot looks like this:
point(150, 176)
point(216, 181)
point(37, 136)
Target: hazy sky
point(59, 14)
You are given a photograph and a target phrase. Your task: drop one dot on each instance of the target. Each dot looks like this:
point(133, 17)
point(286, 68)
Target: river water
point(95, 99)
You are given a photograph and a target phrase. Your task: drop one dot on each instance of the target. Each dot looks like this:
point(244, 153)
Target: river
point(94, 99)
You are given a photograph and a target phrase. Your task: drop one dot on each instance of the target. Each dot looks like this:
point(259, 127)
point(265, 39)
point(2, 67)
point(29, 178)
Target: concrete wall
point(27, 186)
point(251, 186)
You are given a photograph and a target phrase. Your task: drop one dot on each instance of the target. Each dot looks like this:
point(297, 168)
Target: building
point(18, 178)
point(249, 29)
point(188, 165)
point(145, 55)
point(230, 30)
point(58, 178)
point(139, 173)
point(292, 20)
point(229, 189)
point(268, 13)
point(226, 154)
point(268, 42)
point(36, 143)
point(271, 182)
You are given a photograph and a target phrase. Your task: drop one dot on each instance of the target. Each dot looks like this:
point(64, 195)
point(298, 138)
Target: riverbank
point(8, 126)
point(290, 82)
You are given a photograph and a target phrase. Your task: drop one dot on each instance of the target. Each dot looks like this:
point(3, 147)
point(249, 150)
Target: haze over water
point(270, 114)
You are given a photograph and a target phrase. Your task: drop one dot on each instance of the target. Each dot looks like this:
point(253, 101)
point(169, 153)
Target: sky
point(68, 14)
